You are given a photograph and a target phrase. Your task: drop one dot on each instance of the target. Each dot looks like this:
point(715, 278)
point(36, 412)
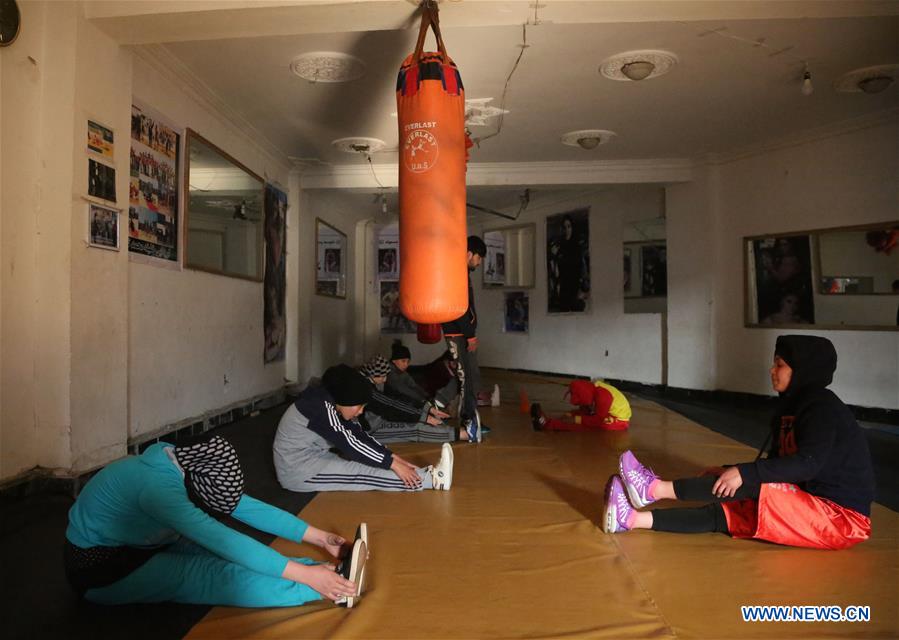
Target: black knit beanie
point(477, 246)
point(399, 351)
point(212, 475)
point(346, 385)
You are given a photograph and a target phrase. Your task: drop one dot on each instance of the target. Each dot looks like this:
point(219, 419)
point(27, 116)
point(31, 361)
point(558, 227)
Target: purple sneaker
point(618, 509)
point(637, 479)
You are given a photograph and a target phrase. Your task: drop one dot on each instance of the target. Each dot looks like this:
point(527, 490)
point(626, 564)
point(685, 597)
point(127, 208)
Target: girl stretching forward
point(814, 489)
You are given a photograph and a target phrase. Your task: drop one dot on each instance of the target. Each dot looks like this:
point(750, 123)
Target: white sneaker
point(494, 397)
point(442, 474)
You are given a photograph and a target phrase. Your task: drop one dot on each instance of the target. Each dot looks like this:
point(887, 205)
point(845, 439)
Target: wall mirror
point(828, 278)
point(511, 256)
point(330, 260)
point(645, 266)
point(224, 212)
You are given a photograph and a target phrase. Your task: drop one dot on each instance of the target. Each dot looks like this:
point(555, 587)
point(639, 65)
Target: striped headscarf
point(377, 366)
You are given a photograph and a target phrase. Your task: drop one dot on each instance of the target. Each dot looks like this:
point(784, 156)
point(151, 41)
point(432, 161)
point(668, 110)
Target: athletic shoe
point(354, 570)
point(637, 479)
point(494, 397)
point(442, 474)
point(361, 534)
point(538, 418)
point(618, 509)
point(485, 430)
point(473, 427)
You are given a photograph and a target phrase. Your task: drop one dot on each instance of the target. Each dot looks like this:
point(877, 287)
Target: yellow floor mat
point(514, 550)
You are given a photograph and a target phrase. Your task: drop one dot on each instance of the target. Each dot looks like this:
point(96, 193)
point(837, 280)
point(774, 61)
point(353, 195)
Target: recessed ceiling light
point(327, 66)
point(358, 145)
point(638, 65)
point(588, 138)
point(868, 79)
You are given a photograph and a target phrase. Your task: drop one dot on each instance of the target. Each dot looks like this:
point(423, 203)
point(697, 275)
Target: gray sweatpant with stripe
point(385, 431)
point(304, 462)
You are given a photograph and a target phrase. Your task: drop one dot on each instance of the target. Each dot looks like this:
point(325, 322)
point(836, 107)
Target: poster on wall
point(515, 318)
point(274, 284)
point(103, 227)
point(100, 140)
point(783, 280)
point(389, 253)
point(568, 261)
point(495, 260)
point(100, 180)
point(654, 263)
point(154, 186)
point(392, 319)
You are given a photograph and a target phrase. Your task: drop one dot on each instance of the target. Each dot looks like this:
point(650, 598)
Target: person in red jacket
point(601, 407)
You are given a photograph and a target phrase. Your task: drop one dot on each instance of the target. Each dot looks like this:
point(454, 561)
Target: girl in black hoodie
point(814, 489)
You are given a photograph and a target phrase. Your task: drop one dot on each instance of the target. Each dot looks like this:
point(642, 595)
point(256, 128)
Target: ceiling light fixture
point(359, 145)
point(587, 139)
point(868, 80)
point(875, 84)
point(807, 87)
point(633, 66)
point(327, 67)
point(638, 70)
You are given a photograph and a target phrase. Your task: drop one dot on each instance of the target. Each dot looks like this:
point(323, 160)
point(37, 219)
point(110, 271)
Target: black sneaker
point(538, 418)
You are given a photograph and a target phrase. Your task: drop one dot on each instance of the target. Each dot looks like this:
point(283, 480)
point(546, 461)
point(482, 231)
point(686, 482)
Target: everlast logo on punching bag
point(420, 148)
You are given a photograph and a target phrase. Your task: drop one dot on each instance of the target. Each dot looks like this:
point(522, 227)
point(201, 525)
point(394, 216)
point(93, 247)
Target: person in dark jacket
point(437, 379)
point(400, 384)
point(326, 418)
point(814, 489)
point(391, 420)
point(462, 341)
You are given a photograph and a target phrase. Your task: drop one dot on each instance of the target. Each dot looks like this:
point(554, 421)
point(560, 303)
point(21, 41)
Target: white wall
point(196, 339)
point(603, 341)
point(330, 335)
point(848, 179)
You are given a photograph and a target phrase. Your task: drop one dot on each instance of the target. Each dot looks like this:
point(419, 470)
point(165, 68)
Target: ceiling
point(737, 82)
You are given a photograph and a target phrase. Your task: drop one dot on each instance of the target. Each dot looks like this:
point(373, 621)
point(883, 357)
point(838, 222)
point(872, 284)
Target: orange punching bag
point(432, 149)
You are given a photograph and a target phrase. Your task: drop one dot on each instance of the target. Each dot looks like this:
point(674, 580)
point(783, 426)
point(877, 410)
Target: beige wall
point(97, 350)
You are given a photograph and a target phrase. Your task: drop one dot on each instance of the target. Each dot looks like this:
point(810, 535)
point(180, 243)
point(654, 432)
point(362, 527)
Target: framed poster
point(100, 140)
point(388, 253)
point(100, 180)
point(783, 280)
point(274, 284)
point(515, 318)
point(103, 227)
point(654, 270)
point(495, 261)
point(568, 261)
point(330, 260)
point(153, 193)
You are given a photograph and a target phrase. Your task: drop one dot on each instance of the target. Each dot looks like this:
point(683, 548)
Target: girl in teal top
point(145, 529)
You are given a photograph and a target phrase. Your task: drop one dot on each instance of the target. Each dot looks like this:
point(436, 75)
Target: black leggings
point(699, 519)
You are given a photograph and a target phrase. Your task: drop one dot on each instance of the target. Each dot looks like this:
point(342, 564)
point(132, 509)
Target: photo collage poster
point(274, 283)
point(388, 270)
point(154, 186)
